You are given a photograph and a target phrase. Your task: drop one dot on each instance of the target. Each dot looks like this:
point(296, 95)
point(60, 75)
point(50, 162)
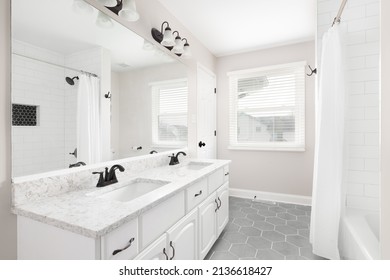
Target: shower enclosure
point(45, 91)
point(358, 236)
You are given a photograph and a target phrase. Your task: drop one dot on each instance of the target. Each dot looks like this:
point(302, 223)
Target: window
point(267, 108)
point(169, 113)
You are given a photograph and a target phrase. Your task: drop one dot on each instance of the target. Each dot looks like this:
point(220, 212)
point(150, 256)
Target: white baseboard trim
point(268, 196)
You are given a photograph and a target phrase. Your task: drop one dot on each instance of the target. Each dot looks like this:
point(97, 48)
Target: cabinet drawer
point(196, 194)
point(215, 180)
point(226, 173)
point(122, 243)
point(154, 222)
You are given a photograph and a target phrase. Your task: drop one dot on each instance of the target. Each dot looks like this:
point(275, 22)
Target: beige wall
point(7, 220)
point(385, 129)
point(278, 172)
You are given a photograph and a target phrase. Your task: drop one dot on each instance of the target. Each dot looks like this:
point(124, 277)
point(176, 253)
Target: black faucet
point(109, 176)
point(77, 164)
point(175, 159)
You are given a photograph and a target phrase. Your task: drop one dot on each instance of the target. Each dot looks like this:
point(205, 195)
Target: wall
point(385, 130)
point(8, 221)
point(40, 148)
point(267, 171)
point(361, 20)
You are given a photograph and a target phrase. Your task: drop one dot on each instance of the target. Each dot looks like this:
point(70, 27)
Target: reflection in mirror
point(83, 94)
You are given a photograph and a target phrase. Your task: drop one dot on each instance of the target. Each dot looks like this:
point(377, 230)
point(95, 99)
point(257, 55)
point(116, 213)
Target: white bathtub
point(359, 239)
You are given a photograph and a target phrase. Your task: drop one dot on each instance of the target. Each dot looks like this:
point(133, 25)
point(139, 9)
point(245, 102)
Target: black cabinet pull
point(126, 247)
point(227, 173)
point(165, 254)
point(201, 144)
point(173, 250)
point(198, 194)
point(216, 202)
point(220, 203)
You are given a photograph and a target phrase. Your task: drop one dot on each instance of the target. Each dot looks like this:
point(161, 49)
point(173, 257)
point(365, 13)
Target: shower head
point(70, 81)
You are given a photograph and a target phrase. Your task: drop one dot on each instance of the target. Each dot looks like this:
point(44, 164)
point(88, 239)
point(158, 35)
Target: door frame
point(211, 73)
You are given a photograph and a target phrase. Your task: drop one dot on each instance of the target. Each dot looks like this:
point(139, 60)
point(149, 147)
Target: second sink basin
point(196, 165)
point(133, 189)
point(188, 168)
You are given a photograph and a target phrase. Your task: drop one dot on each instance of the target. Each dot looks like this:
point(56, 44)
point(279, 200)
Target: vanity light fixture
point(125, 9)
point(109, 3)
point(166, 38)
point(186, 49)
point(178, 48)
point(129, 11)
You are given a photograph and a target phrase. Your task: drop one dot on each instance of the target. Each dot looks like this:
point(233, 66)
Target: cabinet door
point(155, 251)
point(183, 238)
point(207, 225)
point(223, 204)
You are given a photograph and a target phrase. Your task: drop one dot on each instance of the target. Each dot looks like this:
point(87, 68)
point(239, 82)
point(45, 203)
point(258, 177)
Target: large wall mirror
point(85, 89)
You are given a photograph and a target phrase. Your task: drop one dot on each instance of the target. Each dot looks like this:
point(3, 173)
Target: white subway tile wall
point(361, 18)
point(39, 147)
point(45, 147)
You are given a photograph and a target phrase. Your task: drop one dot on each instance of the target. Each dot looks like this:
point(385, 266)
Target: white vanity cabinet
point(182, 227)
point(213, 217)
point(223, 207)
point(207, 225)
point(183, 238)
point(40, 241)
point(180, 242)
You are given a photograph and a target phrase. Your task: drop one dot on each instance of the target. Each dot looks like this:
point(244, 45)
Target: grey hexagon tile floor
point(264, 231)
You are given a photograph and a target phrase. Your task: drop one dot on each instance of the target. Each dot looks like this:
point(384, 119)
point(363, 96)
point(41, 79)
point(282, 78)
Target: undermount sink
point(186, 168)
point(196, 165)
point(133, 189)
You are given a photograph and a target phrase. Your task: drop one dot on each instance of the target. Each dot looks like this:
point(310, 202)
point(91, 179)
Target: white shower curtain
point(89, 148)
point(329, 148)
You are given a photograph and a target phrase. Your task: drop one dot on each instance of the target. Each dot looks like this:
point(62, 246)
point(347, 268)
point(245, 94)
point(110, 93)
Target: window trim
point(155, 105)
point(264, 146)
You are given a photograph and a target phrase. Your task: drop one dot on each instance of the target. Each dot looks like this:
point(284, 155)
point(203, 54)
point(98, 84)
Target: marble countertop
point(84, 212)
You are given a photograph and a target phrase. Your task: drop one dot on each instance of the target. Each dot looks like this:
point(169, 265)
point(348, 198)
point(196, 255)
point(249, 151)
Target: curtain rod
point(338, 17)
point(58, 65)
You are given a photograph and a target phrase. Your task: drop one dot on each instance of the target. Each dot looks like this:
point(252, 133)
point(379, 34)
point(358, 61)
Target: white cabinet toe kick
point(183, 227)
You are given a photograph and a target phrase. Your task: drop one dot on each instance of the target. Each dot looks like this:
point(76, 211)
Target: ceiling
point(229, 26)
point(60, 28)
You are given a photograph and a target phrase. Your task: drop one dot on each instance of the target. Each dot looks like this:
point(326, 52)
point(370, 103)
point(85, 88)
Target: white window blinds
point(267, 108)
point(169, 113)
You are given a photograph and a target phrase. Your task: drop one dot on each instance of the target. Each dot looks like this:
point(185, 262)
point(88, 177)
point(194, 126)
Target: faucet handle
point(106, 174)
point(173, 159)
point(101, 180)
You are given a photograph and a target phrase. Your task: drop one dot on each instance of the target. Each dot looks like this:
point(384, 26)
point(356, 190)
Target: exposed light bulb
point(129, 11)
